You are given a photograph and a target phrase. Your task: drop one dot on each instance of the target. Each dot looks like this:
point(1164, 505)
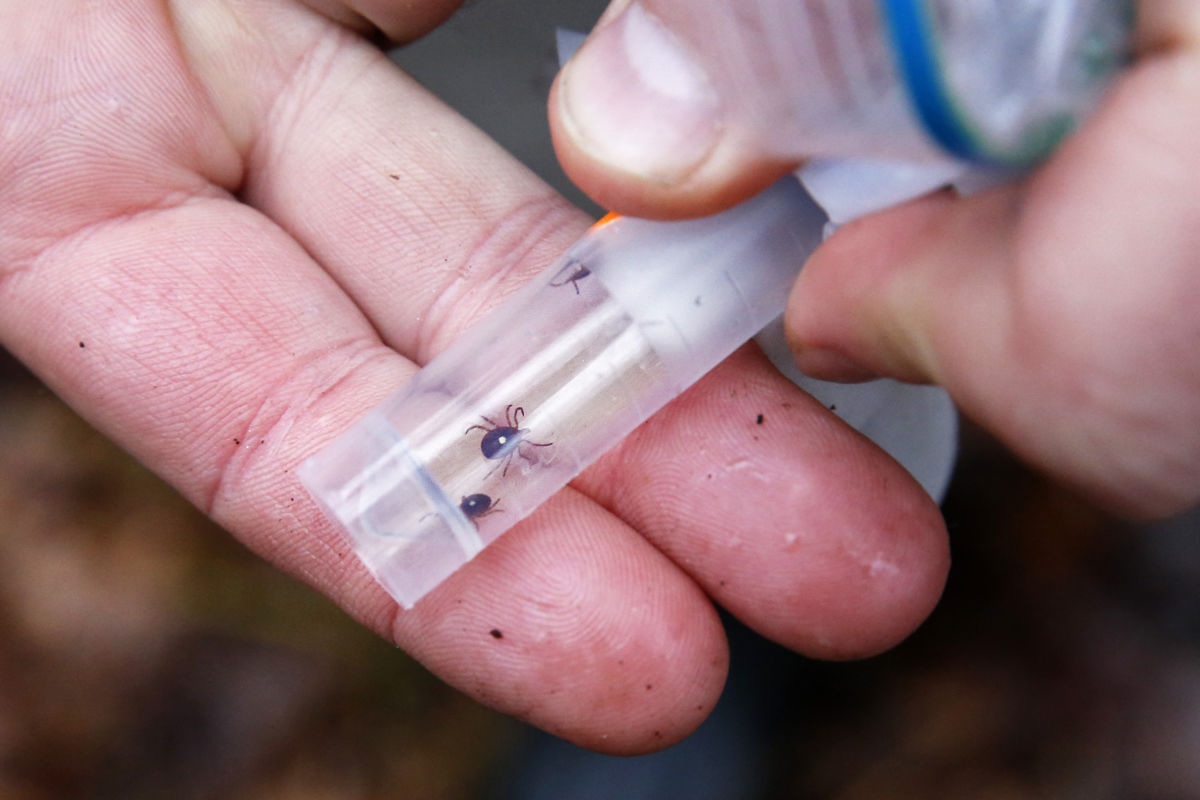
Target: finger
point(1168, 26)
point(436, 243)
point(679, 109)
point(1058, 312)
point(398, 21)
point(788, 518)
point(203, 338)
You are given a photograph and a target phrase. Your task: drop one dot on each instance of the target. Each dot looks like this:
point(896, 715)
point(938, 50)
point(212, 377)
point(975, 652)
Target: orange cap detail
point(607, 218)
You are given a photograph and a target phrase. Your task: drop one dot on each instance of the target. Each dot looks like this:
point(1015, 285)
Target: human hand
point(227, 230)
point(1058, 311)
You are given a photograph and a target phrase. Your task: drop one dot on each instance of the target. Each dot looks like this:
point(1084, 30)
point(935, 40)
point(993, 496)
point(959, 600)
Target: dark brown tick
point(505, 441)
point(478, 505)
point(572, 272)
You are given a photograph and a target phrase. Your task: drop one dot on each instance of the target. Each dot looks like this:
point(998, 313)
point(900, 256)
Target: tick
point(507, 440)
point(572, 272)
point(475, 506)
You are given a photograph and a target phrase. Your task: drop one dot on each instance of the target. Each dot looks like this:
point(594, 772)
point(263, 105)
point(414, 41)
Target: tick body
point(502, 442)
point(478, 505)
point(572, 272)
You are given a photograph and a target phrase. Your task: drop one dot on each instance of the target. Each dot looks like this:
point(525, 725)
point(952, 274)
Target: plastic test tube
point(632, 315)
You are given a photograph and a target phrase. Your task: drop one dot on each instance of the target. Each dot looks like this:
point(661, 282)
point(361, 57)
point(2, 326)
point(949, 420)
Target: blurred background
point(145, 654)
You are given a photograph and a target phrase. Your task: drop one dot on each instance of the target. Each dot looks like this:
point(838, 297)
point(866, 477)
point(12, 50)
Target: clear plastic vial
point(993, 81)
point(633, 314)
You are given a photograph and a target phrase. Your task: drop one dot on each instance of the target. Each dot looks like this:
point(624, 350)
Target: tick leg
point(579, 275)
point(526, 456)
point(483, 428)
point(507, 463)
point(578, 272)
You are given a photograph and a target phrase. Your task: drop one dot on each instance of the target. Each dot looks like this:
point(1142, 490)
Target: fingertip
point(872, 571)
point(860, 308)
point(573, 623)
point(828, 364)
point(889, 594)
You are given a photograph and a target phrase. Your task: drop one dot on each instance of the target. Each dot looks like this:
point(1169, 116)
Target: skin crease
point(260, 228)
point(1058, 311)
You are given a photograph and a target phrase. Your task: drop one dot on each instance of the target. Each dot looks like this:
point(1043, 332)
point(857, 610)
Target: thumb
point(1058, 312)
point(660, 112)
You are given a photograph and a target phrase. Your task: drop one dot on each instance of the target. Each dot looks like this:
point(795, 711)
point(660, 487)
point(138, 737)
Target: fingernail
point(831, 365)
point(635, 99)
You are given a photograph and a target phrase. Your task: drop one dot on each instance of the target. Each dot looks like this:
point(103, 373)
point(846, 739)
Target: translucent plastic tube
point(633, 314)
point(989, 81)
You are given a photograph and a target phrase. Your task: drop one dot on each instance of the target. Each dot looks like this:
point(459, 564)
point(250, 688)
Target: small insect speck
point(393, 176)
point(833, 406)
point(759, 420)
point(237, 441)
point(572, 272)
point(496, 634)
point(82, 345)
